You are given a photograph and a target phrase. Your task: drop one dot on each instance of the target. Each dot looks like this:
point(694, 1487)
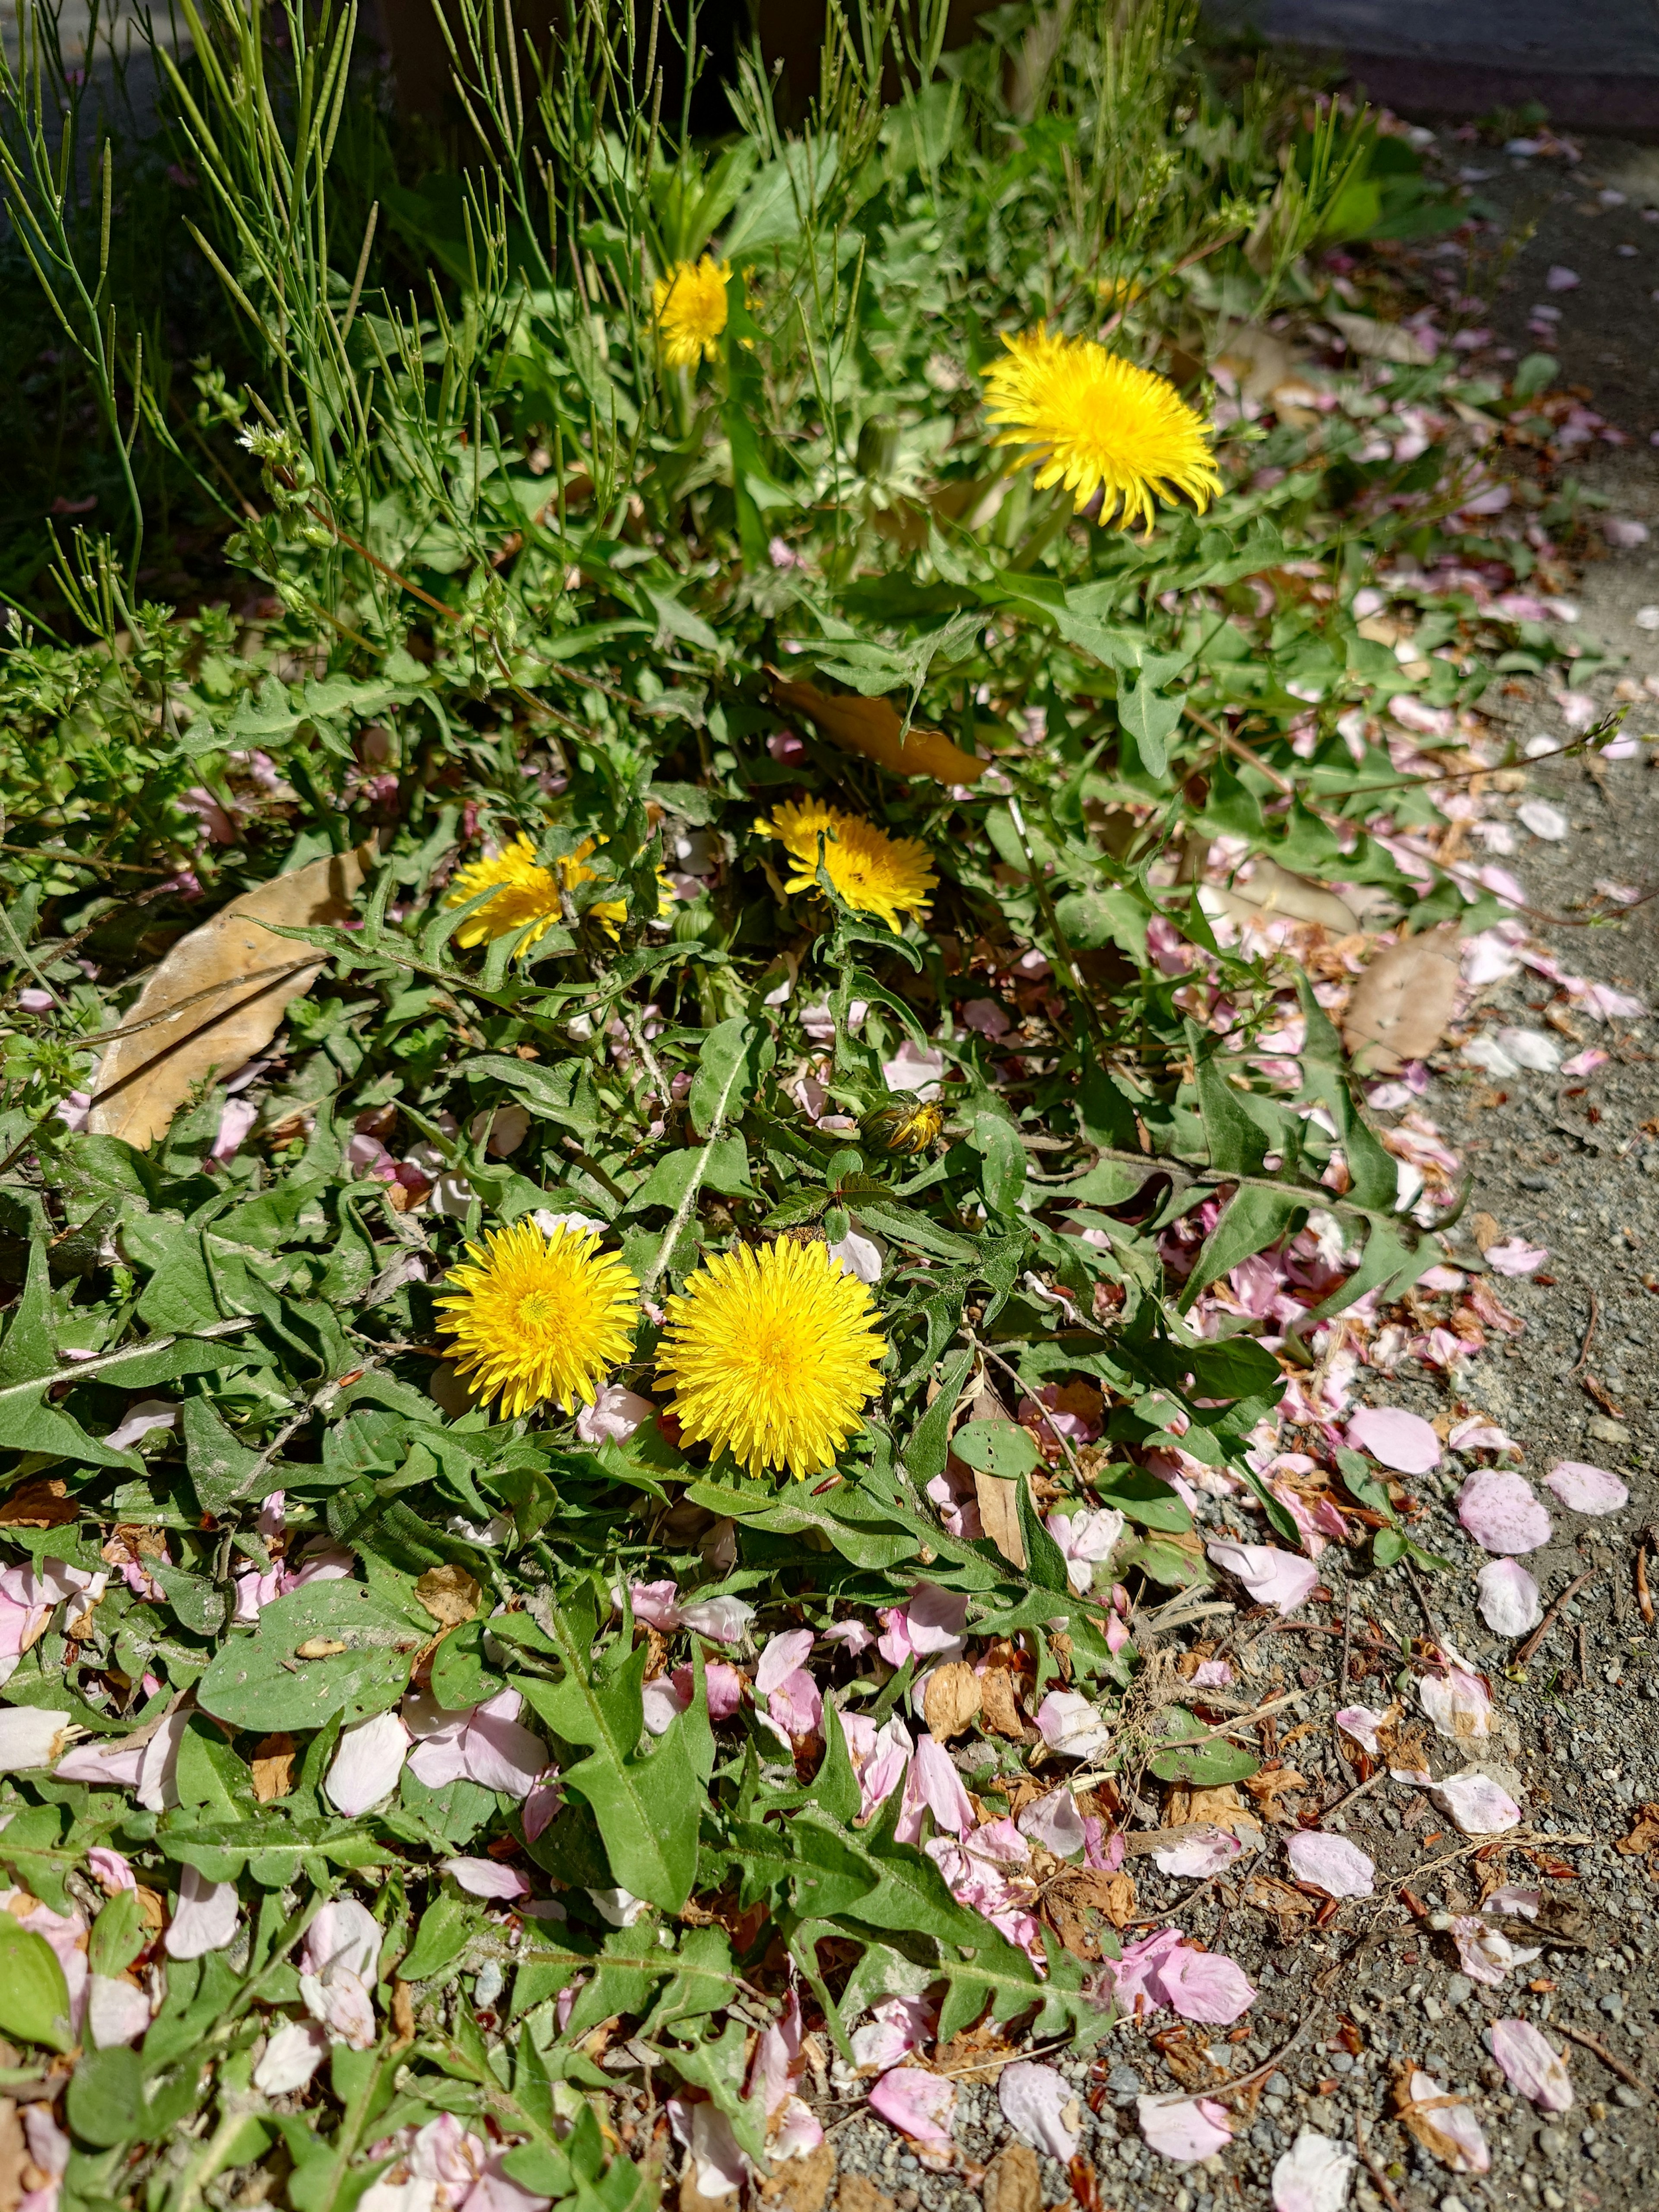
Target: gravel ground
point(1569, 1165)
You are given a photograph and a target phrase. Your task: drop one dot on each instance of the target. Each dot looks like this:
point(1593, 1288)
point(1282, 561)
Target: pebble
point(1459, 1989)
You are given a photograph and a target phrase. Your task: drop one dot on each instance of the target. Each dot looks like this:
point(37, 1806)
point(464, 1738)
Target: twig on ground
point(1590, 1333)
point(1525, 1653)
point(1384, 2186)
point(1347, 1637)
point(1643, 1595)
point(1594, 2043)
point(1379, 1774)
point(1423, 1606)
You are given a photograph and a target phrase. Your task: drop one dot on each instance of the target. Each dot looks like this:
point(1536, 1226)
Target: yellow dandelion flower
point(772, 1354)
point(1100, 425)
point(525, 892)
point(690, 306)
point(878, 874)
point(536, 1317)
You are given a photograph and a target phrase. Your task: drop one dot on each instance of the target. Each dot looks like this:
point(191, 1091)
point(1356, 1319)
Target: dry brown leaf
point(1402, 1003)
point(872, 727)
point(1272, 889)
point(272, 1766)
point(999, 1691)
point(1271, 1784)
point(1014, 2181)
point(449, 1593)
point(952, 1699)
point(1374, 340)
point(1258, 361)
point(800, 2184)
point(13, 2156)
point(858, 2193)
point(152, 1910)
point(219, 997)
point(1421, 2117)
point(42, 1504)
point(1114, 1894)
point(1485, 1231)
point(1643, 1836)
point(1286, 1905)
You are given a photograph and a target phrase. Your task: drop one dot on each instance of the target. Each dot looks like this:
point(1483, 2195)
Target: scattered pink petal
point(1313, 2175)
point(1041, 2107)
point(920, 2105)
point(664, 1701)
point(1455, 2134)
point(1509, 1602)
point(110, 1870)
point(118, 2011)
point(897, 2027)
point(1480, 1805)
point(291, 2057)
point(1396, 1438)
point(1197, 1856)
point(1561, 278)
point(1055, 1822)
point(1531, 2066)
point(1586, 1489)
point(205, 1918)
point(613, 1416)
point(1362, 1722)
point(1485, 1952)
point(1584, 1063)
point(1184, 2128)
point(1069, 1724)
point(1084, 1538)
point(366, 1765)
point(1502, 1513)
point(1338, 1867)
point(1457, 1702)
point(1281, 1579)
point(487, 1878)
point(1205, 1985)
point(933, 1784)
point(914, 1067)
point(1515, 1256)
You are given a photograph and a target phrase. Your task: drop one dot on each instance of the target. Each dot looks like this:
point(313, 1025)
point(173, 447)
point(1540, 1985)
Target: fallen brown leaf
point(272, 1766)
point(1014, 2181)
point(1402, 1003)
point(858, 2193)
point(872, 726)
point(218, 998)
point(1282, 1903)
point(800, 2184)
point(1271, 1784)
point(1272, 889)
point(952, 1699)
point(1485, 1231)
point(449, 1593)
point(42, 1504)
point(14, 2157)
point(998, 1689)
point(1645, 1835)
point(1418, 2116)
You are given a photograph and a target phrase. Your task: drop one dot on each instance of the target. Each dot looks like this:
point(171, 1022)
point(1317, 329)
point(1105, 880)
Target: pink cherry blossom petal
point(1184, 2128)
point(1485, 1952)
point(1459, 2143)
point(1041, 2107)
point(1531, 2066)
point(919, 2103)
point(487, 1878)
point(1361, 1723)
point(366, 1764)
point(1478, 1804)
point(1313, 2175)
point(1205, 1985)
point(1069, 1724)
point(1396, 1438)
point(1196, 1857)
point(1281, 1579)
point(1502, 1513)
point(1515, 1256)
point(291, 2057)
point(205, 1918)
point(1337, 1866)
point(1586, 1489)
point(117, 2011)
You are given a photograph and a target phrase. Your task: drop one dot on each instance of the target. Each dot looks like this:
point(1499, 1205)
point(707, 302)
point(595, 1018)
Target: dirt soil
point(1572, 1164)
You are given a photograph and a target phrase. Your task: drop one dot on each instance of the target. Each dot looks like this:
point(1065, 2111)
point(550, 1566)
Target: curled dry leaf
point(219, 997)
point(873, 727)
point(1374, 340)
point(1014, 2181)
point(1272, 889)
point(1402, 1003)
point(449, 1593)
point(272, 1766)
point(952, 1699)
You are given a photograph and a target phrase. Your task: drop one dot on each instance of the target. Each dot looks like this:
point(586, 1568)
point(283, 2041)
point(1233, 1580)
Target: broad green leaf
point(333, 1647)
point(1252, 1219)
point(34, 2003)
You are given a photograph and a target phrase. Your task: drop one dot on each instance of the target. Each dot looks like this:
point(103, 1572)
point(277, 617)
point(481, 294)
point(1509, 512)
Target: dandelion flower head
point(536, 1317)
point(878, 874)
point(526, 892)
point(690, 306)
point(1100, 426)
point(772, 1354)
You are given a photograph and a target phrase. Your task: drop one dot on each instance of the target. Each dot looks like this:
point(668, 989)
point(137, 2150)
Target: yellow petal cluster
point(689, 307)
point(525, 892)
point(1100, 426)
point(537, 1316)
point(885, 876)
point(772, 1354)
